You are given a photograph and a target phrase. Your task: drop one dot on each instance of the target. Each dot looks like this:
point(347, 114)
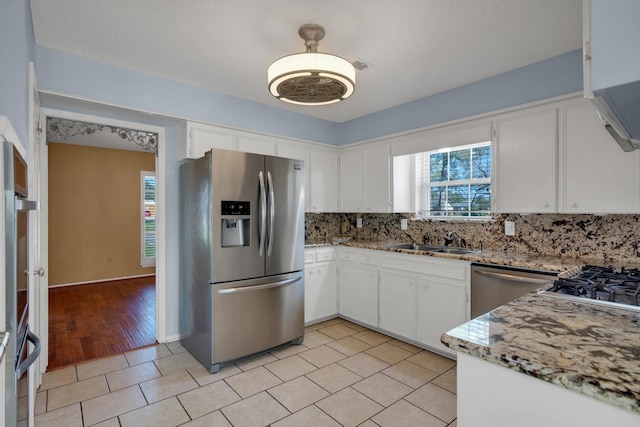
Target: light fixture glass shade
point(311, 78)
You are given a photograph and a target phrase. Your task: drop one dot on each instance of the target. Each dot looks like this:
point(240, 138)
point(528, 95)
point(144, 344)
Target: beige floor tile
point(355, 326)
point(310, 416)
point(295, 395)
point(147, 354)
point(349, 346)
point(436, 401)
point(368, 423)
point(334, 377)
point(454, 423)
point(111, 422)
point(404, 414)
point(133, 375)
point(101, 366)
point(175, 347)
point(214, 419)
point(338, 331)
point(254, 362)
point(322, 356)
point(364, 364)
point(167, 413)
point(253, 381)
point(41, 403)
point(448, 381)
point(290, 350)
point(258, 410)
point(175, 363)
point(119, 402)
point(315, 338)
point(372, 337)
point(313, 327)
point(389, 353)
point(204, 377)
point(383, 389)
point(69, 416)
point(349, 407)
point(76, 392)
point(406, 346)
point(410, 374)
point(207, 399)
point(167, 386)
point(58, 378)
point(290, 368)
point(333, 321)
point(432, 361)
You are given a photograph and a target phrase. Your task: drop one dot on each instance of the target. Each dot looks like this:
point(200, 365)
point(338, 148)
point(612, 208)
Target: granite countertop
point(4, 339)
point(586, 348)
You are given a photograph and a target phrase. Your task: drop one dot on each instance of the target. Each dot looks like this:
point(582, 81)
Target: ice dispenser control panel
point(235, 225)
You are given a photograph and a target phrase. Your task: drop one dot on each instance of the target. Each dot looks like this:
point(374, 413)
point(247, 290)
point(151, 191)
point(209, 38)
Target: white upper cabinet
point(598, 176)
point(351, 170)
point(323, 180)
point(525, 159)
point(365, 179)
point(195, 139)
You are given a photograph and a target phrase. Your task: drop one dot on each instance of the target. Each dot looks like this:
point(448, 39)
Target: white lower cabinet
point(320, 285)
point(399, 303)
point(442, 305)
point(359, 292)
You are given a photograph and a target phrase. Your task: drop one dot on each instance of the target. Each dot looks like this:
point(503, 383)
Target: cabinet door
point(264, 146)
point(598, 176)
point(377, 180)
point(399, 303)
point(351, 180)
point(202, 139)
point(526, 163)
point(320, 291)
point(441, 307)
point(323, 180)
point(359, 293)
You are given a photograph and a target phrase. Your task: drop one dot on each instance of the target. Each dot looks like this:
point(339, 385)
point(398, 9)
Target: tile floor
point(342, 375)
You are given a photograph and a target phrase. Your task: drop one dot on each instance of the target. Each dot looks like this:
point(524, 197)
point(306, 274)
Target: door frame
point(161, 329)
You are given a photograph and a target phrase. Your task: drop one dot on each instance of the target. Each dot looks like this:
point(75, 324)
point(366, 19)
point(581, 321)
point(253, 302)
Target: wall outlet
point(359, 222)
point(509, 228)
point(404, 224)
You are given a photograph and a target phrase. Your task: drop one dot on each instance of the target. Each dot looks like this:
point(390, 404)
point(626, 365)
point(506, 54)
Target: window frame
point(147, 261)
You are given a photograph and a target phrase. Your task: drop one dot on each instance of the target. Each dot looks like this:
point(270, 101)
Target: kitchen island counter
point(586, 348)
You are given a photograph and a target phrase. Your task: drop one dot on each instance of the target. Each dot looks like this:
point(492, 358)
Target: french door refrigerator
point(242, 255)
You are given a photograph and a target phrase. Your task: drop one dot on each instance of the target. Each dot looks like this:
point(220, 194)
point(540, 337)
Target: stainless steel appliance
point(19, 355)
point(242, 255)
point(599, 285)
point(493, 285)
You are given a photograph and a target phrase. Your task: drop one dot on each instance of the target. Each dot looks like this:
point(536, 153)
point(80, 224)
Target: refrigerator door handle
point(24, 365)
point(263, 214)
point(272, 213)
point(259, 287)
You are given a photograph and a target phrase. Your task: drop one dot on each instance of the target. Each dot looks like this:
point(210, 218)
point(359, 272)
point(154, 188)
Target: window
point(148, 208)
point(454, 182)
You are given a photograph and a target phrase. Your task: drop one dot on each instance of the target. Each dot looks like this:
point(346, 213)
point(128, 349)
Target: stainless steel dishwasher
point(494, 285)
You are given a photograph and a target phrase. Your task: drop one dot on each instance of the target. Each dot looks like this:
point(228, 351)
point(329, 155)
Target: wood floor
point(100, 319)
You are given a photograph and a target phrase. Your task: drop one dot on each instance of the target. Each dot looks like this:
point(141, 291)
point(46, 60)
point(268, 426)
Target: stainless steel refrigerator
point(242, 255)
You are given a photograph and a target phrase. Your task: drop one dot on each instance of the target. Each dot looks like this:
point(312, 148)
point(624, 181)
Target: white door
point(38, 284)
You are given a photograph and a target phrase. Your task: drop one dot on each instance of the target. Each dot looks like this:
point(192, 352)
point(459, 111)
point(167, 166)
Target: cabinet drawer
point(369, 258)
point(325, 255)
point(348, 256)
point(309, 257)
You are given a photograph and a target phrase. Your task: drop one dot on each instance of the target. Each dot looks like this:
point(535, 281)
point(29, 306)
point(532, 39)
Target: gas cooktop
point(599, 285)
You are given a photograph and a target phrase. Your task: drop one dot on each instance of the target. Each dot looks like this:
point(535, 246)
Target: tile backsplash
point(614, 237)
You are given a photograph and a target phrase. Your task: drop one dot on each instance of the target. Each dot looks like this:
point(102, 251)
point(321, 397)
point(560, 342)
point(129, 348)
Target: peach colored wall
point(94, 213)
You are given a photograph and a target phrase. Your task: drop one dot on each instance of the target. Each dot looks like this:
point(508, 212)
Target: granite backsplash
point(614, 237)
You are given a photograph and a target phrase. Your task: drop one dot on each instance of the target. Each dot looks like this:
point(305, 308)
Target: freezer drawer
point(251, 316)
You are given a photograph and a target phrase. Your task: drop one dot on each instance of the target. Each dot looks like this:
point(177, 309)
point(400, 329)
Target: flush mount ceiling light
point(311, 78)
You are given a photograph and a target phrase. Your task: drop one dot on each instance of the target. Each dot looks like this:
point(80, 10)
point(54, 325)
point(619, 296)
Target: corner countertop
point(521, 260)
point(586, 348)
point(4, 340)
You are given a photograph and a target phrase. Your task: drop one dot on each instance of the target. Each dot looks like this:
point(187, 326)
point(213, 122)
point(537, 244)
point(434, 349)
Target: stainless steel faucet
point(455, 240)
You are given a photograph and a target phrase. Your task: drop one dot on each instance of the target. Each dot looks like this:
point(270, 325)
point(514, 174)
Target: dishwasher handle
point(513, 277)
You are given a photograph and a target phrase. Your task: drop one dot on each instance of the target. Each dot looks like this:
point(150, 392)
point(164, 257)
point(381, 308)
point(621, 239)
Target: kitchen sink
point(436, 248)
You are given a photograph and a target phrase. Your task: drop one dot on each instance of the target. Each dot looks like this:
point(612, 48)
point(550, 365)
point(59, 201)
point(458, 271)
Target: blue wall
point(17, 47)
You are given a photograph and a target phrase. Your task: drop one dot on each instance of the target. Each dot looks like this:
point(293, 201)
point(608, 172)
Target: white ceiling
point(417, 47)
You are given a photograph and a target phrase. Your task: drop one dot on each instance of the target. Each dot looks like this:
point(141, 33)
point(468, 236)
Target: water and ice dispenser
point(235, 225)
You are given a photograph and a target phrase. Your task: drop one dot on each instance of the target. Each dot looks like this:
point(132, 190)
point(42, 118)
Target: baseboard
point(172, 338)
point(101, 280)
